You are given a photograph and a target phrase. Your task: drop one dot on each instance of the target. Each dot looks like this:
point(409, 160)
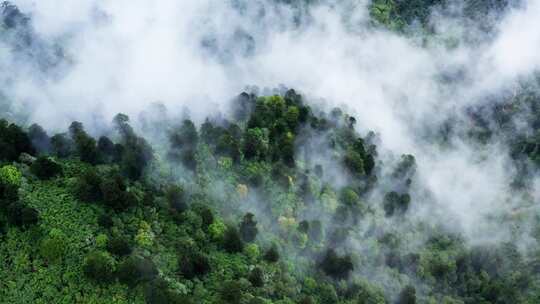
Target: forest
point(275, 198)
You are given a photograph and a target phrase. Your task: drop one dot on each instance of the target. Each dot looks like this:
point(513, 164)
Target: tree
point(336, 266)
point(176, 198)
point(272, 254)
point(88, 186)
point(54, 246)
point(99, 267)
point(396, 203)
point(183, 141)
point(231, 292)
point(158, 292)
point(135, 153)
point(316, 231)
point(119, 246)
point(21, 216)
point(115, 194)
point(106, 149)
point(248, 228)
point(327, 294)
point(255, 144)
point(135, 270)
point(45, 168)
point(40, 139)
point(85, 145)
point(29, 216)
point(256, 277)
point(10, 181)
point(61, 145)
point(232, 242)
point(13, 142)
point(349, 197)
point(354, 163)
point(193, 264)
point(407, 295)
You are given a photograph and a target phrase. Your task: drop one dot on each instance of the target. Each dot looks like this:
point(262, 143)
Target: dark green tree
point(232, 241)
point(338, 267)
point(99, 267)
point(45, 168)
point(248, 228)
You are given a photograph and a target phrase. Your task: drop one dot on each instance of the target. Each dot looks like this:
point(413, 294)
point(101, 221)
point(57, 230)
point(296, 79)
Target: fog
point(123, 56)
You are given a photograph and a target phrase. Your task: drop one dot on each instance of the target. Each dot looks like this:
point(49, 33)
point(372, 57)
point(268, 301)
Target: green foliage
point(256, 277)
point(54, 231)
point(45, 168)
point(135, 270)
point(85, 145)
point(145, 235)
point(217, 230)
point(256, 144)
point(119, 246)
point(21, 216)
point(13, 142)
point(396, 203)
point(88, 187)
point(55, 246)
point(183, 142)
point(61, 145)
point(232, 241)
point(176, 198)
point(10, 181)
point(248, 228)
point(407, 295)
point(336, 266)
point(99, 267)
point(135, 153)
point(193, 264)
point(272, 254)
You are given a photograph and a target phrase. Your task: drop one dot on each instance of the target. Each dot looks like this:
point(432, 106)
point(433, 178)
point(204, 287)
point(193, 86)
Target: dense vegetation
point(235, 216)
point(247, 208)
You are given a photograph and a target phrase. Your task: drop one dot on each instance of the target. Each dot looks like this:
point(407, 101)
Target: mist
point(125, 56)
